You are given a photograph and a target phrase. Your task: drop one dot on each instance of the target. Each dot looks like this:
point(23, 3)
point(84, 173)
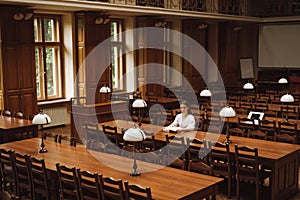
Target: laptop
point(256, 116)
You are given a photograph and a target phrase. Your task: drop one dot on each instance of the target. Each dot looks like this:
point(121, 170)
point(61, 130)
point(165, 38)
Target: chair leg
point(237, 189)
point(229, 187)
point(257, 191)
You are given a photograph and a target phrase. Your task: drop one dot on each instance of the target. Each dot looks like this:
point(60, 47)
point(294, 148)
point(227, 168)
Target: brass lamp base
point(227, 141)
point(135, 173)
point(43, 150)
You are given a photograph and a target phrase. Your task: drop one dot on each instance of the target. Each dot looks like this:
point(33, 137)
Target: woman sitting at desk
point(184, 121)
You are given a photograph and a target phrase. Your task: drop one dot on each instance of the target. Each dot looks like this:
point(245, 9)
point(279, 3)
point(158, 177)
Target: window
point(117, 65)
point(48, 46)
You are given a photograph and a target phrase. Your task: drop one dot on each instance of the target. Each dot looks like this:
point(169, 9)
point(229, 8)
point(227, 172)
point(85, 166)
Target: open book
point(171, 129)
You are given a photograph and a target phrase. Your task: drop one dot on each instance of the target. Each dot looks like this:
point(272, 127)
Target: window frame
point(43, 45)
point(120, 45)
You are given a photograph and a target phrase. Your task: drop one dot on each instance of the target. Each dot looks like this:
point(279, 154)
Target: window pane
point(52, 60)
point(114, 31)
point(39, 72)
point(49, 30)
point(37, 30)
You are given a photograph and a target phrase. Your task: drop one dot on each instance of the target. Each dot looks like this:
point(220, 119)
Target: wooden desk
point(167, 103)
point(96, 113)
point(166, 183)
point(282, 158)
point(11, 125)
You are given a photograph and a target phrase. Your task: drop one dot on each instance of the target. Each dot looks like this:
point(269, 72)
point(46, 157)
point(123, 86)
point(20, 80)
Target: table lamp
point(287, 98)
point(104, 89)
point(134, 135)
point(206, 94)
point(139, 103)
point(42, 119)
point(227, 112)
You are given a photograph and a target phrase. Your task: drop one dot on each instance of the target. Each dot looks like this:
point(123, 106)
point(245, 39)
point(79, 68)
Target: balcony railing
point(256, 8)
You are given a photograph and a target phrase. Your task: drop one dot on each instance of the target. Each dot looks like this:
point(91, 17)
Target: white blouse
point(187, 123)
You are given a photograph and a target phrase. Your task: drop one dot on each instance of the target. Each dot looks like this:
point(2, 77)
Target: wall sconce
point(237, 28)
point(20, 16)
point(161, 23)
point(101, 20)
point(202, 26)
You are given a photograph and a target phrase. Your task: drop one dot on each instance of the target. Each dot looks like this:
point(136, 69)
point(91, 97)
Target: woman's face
point(183, 108)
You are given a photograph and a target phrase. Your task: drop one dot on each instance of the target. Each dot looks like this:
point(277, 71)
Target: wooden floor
point(66, 130)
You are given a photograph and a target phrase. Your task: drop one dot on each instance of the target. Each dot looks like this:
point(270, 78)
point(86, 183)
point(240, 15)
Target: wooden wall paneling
point(88, 36)
point(200, 35)
point(229, 54)
point(150, 56)
point(18, 62)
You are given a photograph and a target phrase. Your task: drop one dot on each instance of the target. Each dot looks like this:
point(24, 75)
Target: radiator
point(58, 115)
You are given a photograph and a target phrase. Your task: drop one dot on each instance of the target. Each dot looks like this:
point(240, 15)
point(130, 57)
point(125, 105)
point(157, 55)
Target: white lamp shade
point(283, 81)
point(287, 98)
point(105, 89)
point(139, 103)
point(41, 118)
point(134, 135)
point(205, 93)
point(227, 112)
point(248, 86)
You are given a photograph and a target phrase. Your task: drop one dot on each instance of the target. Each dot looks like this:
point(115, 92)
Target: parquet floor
point(245, 192)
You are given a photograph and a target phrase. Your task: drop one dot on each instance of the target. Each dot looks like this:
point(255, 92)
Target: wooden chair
point(112, 135)
point(246, 124)
point(262, 100)
point(289, 112)
point(241, 111)
point(198, 155)
point(39, 178)
point(70, 140)
point(137, 192)
point(95, 139)
point(22, 176)
point(266, 130)
point(271, 113)
point(78, 101)
point(7, 113)
point(249, 169)
point(8, 181)
point(112, 188)
point(198, 149)
point(247, 106)
point(68, 182)
point(148, 144)
point(175, 152)
point(89, 185)
point(287, 132)
point(221, 162)
point(261, 107)
point(19, 115)
point(48, 135)
point(4, 195)
point(151, 157)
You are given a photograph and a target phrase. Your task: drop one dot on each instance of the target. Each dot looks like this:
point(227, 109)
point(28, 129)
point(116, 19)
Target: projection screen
point(279, 46)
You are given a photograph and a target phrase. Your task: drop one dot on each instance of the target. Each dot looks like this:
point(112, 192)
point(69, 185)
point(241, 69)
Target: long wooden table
point(165, 182)
point(11, 125)
point(282, 158)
